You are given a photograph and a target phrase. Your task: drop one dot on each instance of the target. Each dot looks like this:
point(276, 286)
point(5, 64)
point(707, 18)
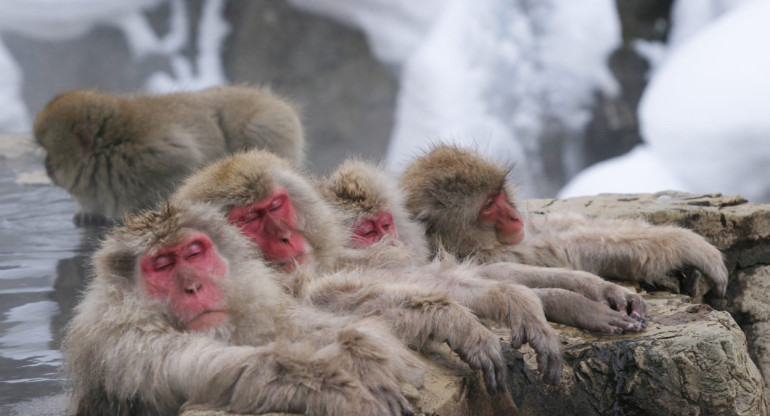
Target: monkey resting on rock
point(374, 214)
point(298, 233)
point(467, 207)
point(183, 314)
point(118, 153)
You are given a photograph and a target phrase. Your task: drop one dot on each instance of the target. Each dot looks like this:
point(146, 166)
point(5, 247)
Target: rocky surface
point(691, 360)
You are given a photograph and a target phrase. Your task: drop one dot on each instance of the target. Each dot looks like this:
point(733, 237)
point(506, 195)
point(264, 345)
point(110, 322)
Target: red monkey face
point(187, 275)
point(370, 230)
point(498, 211)
point(270, 223)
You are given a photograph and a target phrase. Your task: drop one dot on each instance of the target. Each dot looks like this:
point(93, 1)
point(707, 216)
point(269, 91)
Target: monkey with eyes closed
point(182, 313)
point(299, 235)
point(466, 205)
point(118, 153)
point(374, 213)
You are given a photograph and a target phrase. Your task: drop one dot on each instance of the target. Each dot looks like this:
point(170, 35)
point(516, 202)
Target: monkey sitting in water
point(467, 207)
point(119, 153)
point(182, 314)
point(374, 214)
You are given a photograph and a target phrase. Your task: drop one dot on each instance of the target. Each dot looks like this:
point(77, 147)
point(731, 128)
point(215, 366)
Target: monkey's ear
point(84, 137)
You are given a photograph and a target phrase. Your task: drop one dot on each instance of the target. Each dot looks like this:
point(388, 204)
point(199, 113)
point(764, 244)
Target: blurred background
point(580, 97)
point(677, 89)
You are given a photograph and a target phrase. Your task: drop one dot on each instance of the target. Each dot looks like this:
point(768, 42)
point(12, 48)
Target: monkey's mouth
point(290, 264)
point(512, 238)
point(207, 320)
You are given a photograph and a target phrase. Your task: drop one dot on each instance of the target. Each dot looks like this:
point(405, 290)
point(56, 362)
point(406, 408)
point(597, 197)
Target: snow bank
point(704, 114)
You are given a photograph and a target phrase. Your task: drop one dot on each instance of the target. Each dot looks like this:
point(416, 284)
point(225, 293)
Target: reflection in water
point(43, 268)
point(29, 338)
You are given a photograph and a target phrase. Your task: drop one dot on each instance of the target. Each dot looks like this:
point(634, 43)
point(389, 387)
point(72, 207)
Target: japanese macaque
point(374, 213)
point(183, 314)
point(299, 234)
point(118, 153)
point(467, 207)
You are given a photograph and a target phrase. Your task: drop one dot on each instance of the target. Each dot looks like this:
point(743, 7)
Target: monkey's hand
point(573, 309)
point(622, 300)
point(526, 319)
point(696, 252)
point(381, 369)
point(475, 344)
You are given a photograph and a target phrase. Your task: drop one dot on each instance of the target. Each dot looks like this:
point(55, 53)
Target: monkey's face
point(371, 229)
point(187, 275)
point(498, 212)
point(272, 224)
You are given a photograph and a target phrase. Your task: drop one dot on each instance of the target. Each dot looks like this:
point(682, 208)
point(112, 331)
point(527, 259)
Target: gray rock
point(691, 360)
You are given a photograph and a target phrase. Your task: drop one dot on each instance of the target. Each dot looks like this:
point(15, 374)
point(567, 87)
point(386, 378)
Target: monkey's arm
point(584, 284)
point(514, 306)
point(282, 376)
point(624, 249)
point(417, 316)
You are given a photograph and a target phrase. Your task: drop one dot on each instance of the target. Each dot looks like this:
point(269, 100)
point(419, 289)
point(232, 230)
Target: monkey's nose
point(193, 288)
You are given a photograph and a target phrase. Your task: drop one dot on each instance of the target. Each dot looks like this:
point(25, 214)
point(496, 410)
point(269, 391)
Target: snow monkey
point(183, 314)
point(118, 153)
point(468, 207)
point(374, 213)
point(299, 235)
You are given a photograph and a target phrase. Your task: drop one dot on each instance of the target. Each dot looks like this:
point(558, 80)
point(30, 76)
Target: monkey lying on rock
point(183, 314)
point(118, 153)
point(299, 235)
point(467, 207)
point(374, 213)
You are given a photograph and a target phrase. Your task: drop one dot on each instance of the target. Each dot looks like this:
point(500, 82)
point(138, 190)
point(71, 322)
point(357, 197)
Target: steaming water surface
point(43, 259)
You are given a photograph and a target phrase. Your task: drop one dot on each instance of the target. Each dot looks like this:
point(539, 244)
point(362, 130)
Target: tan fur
point(357, 189)
point(251, 176)
point(360, 189)
point(613, 248)
point(125, 353)
point(119, 153)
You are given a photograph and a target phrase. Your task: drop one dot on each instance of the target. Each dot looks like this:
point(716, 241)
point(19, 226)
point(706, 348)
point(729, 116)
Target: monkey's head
point(463, 199)
point(70, 128)
point(372, 207)
point(175, 258)
point(271, 203)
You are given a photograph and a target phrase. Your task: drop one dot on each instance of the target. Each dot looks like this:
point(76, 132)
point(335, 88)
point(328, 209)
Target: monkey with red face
point(466, 205)
point(182, 314)
point(300, 235)
point(374, 212)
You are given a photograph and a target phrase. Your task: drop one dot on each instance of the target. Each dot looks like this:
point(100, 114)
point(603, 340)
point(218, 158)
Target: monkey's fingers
point(518, 338)
point(486, 355)
point(546, 345)
point(636, 306)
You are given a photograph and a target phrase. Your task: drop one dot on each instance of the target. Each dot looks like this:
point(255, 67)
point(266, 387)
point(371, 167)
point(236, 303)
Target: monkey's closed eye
point(163, 262)
point(250, 217)
point(194, 249)
point(275, 205)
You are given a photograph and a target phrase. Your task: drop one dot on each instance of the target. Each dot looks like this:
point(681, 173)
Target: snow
point(492, 78)
point(638, 171)
point(704, 114)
